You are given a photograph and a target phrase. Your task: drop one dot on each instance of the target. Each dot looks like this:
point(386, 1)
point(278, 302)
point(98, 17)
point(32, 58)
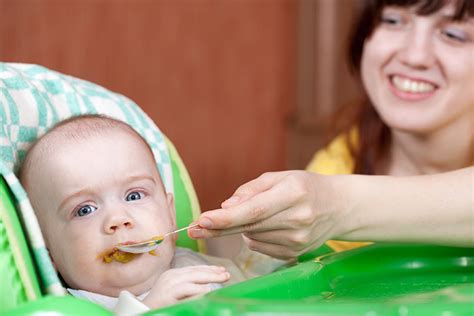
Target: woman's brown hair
point(374, 134)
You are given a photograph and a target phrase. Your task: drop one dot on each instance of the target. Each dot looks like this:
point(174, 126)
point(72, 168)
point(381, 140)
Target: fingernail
point(231, 201)
point(196, 233)
point(205, 223)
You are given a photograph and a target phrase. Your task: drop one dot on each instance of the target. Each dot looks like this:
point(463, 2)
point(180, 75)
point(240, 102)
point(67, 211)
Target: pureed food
point(121, 256)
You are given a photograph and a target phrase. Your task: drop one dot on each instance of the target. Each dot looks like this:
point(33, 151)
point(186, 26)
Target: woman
point(411, 146)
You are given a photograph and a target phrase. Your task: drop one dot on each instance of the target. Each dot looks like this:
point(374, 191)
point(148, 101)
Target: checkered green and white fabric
point(32, 100)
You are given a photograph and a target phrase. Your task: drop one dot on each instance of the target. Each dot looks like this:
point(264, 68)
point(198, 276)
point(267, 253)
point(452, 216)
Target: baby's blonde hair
point(73, 129)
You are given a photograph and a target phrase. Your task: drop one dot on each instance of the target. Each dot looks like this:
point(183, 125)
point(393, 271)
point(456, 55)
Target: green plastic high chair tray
point(380, 279)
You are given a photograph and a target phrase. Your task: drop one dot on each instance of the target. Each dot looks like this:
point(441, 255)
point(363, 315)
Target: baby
point(93, 183)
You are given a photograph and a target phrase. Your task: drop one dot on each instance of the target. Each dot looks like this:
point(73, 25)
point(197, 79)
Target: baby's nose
point(118, 222)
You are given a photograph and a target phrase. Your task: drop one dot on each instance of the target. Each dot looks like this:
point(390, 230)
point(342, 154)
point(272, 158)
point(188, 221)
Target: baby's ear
point(52, 261)
point(171, 208)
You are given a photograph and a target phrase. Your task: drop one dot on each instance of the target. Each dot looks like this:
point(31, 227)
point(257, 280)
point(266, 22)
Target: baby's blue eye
point(134, 196)
point(85, 210)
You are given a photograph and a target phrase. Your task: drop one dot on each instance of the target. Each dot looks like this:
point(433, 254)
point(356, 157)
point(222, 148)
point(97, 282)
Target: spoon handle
point(178, 230)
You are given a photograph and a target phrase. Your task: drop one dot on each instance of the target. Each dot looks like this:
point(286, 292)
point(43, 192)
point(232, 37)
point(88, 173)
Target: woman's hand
point(285, 214)
point(281, 214)
point(181, 283)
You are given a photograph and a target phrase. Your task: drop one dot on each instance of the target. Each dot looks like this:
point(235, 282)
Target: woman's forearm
point(432, 208)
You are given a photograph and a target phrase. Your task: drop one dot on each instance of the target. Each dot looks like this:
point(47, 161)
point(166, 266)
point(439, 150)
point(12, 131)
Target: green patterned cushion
point(34, 99)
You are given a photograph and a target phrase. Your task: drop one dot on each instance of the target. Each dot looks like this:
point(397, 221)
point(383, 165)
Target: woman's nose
point(118, 221)
point(417, 50)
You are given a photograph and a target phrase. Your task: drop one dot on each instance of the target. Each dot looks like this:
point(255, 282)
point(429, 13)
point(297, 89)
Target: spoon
point(149, 245)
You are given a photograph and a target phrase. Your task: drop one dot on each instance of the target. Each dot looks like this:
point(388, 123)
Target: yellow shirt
point(336, 159)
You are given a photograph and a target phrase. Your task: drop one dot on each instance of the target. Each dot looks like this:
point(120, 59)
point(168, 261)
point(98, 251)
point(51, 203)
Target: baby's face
point(93, 193)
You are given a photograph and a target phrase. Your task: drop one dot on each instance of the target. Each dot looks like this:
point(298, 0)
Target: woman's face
point(419, 70)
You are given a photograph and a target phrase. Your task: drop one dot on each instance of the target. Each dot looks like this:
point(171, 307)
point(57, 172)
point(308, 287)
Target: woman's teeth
point(411, 86)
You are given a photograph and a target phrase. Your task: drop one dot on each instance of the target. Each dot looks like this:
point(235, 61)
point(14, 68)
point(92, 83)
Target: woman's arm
point(432, 208)
point(284, 214)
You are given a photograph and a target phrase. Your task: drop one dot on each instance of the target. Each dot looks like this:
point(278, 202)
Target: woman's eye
point(454, 34)
point(134, 196)
point(392, 19)
point(85, 210)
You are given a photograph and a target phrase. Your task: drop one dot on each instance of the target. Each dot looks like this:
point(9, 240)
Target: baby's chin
point(136, 279)
point(136, 276)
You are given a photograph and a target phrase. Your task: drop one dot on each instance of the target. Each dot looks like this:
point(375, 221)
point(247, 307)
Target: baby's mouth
point(114, 253)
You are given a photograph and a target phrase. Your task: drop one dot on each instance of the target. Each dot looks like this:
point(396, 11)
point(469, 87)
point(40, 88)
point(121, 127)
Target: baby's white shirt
point(125, 304)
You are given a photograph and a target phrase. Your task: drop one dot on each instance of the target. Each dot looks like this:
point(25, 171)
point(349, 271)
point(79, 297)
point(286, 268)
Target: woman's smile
point(411, 89)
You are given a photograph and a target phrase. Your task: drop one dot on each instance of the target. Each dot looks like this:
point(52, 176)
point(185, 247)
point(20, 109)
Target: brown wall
point(217, 76)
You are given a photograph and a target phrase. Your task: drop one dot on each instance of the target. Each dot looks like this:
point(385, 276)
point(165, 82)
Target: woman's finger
point(199, 233)
point(296, 239)
point(277, 237)
point(273, 250)
point(257, 208)
point(254, 187)
point(274, 223)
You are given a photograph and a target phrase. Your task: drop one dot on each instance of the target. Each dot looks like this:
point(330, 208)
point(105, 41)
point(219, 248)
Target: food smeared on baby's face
point(117, 255)
point(120, 256)
point(124, 257)
point(158, 238)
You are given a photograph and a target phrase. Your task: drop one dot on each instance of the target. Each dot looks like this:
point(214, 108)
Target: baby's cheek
point(70, 273)
point(160, 259)
point(81, 266)
point(166, 254)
